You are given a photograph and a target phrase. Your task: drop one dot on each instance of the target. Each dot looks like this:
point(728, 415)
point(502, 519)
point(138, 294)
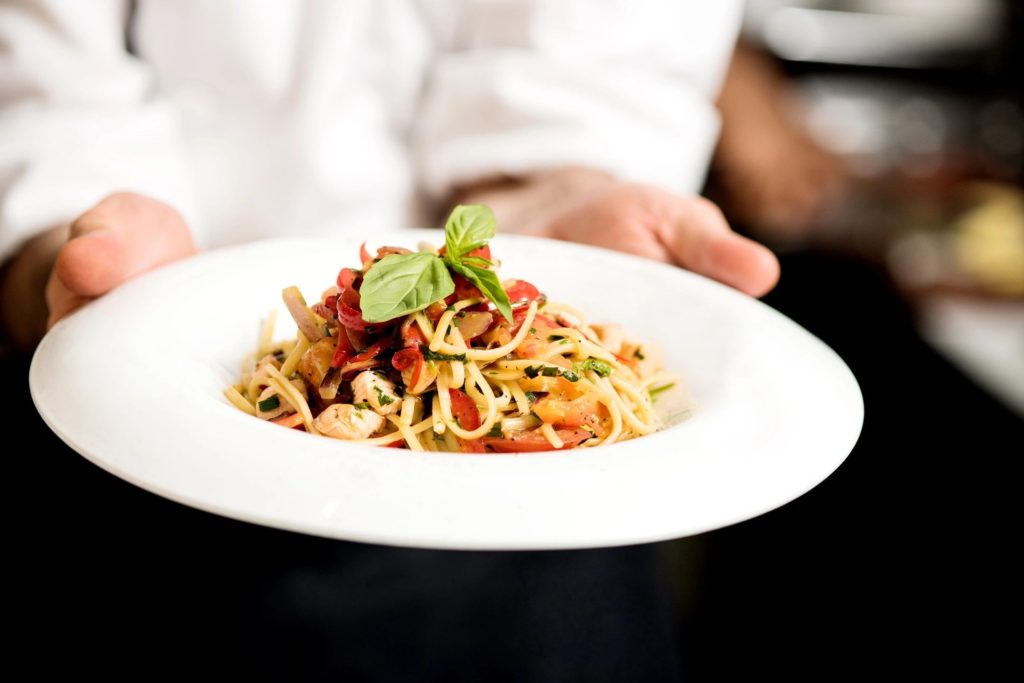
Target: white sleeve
point(79, 118)
point(625, 86)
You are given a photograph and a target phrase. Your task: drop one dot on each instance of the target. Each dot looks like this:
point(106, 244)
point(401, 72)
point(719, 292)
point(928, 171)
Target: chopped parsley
point(496, 430)
point(382, 398)
point(362, 405)
point(638, 355)
point(597, 365)
point(550, 371)
point(531, 397)
point(268, 404)
point(433, 355)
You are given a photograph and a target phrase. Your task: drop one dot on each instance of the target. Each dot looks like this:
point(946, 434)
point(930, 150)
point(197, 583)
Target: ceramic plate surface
point(134, 383)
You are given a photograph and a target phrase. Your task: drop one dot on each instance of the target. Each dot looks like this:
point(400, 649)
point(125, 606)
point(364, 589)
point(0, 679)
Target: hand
point(687, 231)
point(124, 235)
point(585, 205)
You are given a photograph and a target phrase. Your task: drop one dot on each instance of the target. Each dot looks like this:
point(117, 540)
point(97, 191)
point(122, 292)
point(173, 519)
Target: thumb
point(700, 239)
point(122, 236)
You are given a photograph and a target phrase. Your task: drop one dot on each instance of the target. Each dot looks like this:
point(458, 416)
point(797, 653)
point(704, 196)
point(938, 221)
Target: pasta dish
point(429, 350)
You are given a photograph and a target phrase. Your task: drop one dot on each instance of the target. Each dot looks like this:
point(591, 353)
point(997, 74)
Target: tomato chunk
point(372, 351)
point(534, 441)
point(343, 352)
point(406, 358)
point(464, 410)
point(521, 292)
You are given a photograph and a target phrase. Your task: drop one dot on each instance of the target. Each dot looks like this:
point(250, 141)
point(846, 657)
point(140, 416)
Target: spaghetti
point(506, 371)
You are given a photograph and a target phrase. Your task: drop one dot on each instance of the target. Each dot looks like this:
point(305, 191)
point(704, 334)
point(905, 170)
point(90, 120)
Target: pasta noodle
point(455, 375)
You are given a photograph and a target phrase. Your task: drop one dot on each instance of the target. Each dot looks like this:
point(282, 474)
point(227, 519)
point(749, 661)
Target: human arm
point(593, 125)
point(80, 118)
point(583, 205)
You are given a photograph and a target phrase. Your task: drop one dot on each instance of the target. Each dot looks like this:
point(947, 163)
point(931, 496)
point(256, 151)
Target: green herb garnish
point(433, 355)
point(382, 398)
point(568, 375)
point(531, 397)
point(496, 430)
point(403, 283)
point(654, 391)
point(597, 365)
point(486, 281)
point(550, 371)
point(468, 227)
point(400, 284)
point(268, 404)
point(362, 405)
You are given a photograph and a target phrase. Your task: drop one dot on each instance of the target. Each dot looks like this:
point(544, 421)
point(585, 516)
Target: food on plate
point(429, 350)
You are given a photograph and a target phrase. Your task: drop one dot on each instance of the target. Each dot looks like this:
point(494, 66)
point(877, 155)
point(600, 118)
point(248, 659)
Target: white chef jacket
point(259, 118)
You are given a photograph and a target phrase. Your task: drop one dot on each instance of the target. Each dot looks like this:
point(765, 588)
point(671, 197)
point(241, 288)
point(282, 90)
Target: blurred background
point(878, 147)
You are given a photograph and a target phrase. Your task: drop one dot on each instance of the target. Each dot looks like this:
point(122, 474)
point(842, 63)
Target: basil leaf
point(399, 284)
point(468, 227)
point(476, 261)
point(488, 283)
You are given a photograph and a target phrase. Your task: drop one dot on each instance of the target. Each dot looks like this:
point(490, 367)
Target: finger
point(699, 239)
point(61, 301)
point(92, 264)
point(642, 243)
point(742, 263)
point(122, 236)
point(604, 224)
